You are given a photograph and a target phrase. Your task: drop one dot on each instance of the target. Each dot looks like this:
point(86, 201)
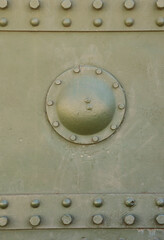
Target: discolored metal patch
point(85, 104)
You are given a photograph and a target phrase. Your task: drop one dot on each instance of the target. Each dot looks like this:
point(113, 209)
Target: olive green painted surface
point(84, 234)
point(113, 210)
point(50, 16)
point(35, 159)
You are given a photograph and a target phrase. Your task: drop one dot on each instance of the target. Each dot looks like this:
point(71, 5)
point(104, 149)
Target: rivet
point(98, 219)
point(113, 127)
point(129, 4)
point(73, 138)
point(160, 202)
point(98, 202)
point(34, 4)
point(67, 22)
point(89, 107)
point(3, 4)
point(35, 220)
point(98, 22)
point(160, 21)
point(4, 204)
point(97, 4)
point(115, 85)
point(160, 4)
point(98, 71)
point(95, 139)
point(66, 202)
point(3, 221)
point(121, 106)
point(50, 103)
point(66, 4)
point(87, 100)
point(130, 202)
point(3, 22)
point(34, 22)
point(67, 219)
point(129, 22)
point(76, 69)
point(58, 82)
point(129, 219)
point(35, 203)
point(56, 124)
point(160, 219)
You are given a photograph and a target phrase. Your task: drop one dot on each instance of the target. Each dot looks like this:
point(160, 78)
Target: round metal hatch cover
point(85, 104)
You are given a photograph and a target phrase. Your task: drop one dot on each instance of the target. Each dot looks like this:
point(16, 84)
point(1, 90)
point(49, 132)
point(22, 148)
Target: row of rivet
point(97, 4)
point(67, 22)
point(113, 127)
point(97, 219)
point(98, 202)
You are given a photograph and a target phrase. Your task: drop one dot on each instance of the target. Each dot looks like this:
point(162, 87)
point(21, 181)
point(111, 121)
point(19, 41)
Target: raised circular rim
point(55, 89)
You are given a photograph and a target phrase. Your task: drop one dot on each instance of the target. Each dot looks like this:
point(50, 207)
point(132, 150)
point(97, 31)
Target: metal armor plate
point(81, 119)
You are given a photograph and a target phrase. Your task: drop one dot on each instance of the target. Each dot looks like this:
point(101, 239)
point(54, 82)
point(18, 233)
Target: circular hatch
point(85, 104)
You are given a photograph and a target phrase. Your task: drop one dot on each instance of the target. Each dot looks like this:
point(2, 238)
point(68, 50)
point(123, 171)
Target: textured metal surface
point(85, 234)
point(82, 212)
point(85, 104)
point(34, 159)
point(107, 15)
point(38, 42)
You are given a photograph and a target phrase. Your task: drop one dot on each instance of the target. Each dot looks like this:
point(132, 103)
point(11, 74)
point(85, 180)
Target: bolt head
point(98, 202)
point(50, 103)
point(35, 203)
point(95, 139)
point(73, 138)
point(115, 85)
point(97, 22)
point(160, 21)
point(67, 219)
point(129, 219)
point(3, 22)
point(3, 4)
point(98, 71)
point(67, 22)
point(129, 22)
point(160, 202)
point(160, 4)
point(58, 82)
point(34, 4)
point(34, 22)
point(66, 4)
point(35, 220)
point(4, 204)
point(97, 4)
point(56, 124)
point(160, 219)
point(76, 69)
point(129, 4)
point(98, 219)
point(3, 221)
point(66, 202)
point(121, 106)
point(113, 127)
point(130, 202)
